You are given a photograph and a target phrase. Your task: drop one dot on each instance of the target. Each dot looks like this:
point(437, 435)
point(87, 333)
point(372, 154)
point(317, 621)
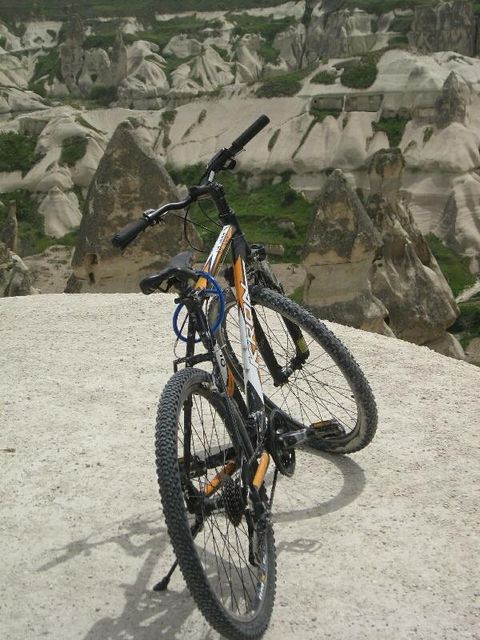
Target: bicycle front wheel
point(328, 388)
point(231, 580)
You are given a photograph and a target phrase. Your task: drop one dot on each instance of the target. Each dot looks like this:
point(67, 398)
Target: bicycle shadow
point(149, 615)
point(354, 481)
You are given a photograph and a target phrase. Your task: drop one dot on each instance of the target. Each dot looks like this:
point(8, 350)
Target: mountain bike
point(260, 377)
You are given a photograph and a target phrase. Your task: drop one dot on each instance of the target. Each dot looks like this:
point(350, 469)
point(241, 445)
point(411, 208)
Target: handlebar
point(221, 160)
point(249, 133)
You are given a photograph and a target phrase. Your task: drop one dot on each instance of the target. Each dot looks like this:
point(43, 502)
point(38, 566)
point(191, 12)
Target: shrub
point(103, 95)
point(103, 40)
point(17, 152)
point(393, 127)
point(73, 150)
point(168, 117)
point(287, 84)
point(398, 42)
point(360, 75)
point(324, 77)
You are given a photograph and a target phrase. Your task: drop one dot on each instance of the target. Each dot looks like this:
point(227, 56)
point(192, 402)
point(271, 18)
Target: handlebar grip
point(123, 238)
point(250, 133)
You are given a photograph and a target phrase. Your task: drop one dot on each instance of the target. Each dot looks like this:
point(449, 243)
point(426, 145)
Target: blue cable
point(217, 290)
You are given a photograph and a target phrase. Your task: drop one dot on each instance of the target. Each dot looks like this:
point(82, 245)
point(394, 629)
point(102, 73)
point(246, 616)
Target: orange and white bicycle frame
point(230, 236)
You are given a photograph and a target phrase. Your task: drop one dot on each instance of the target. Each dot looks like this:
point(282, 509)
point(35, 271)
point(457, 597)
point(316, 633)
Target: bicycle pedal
point(326, 429)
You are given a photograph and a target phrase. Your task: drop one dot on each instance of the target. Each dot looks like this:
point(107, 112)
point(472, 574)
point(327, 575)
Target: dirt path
point(380, 545)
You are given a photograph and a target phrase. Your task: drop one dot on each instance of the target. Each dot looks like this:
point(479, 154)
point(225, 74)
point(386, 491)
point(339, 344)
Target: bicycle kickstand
point(163, 584)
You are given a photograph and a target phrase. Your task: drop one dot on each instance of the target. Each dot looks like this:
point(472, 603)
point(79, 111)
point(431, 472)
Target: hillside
point(380, 544)
point(340, 80)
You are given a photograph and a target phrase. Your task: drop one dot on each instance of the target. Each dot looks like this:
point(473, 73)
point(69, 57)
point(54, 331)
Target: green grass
point(32, 238)
point(321, 114)
point(47, 66)
point(287, 84)
point(73, 150)
point(324, 77)
point(467, 326)
point(454, 266)
point(258, 211)
point(393, 127)
point(17, 152)
point(297, 295)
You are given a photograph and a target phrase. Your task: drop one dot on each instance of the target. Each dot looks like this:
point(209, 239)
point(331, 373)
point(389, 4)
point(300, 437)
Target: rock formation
point(119, 66)
point(447, 26)
point(337, 257)
point(71, 52)
point(249, 65)
point(129, 179)
point(368, 267)
point(451, 106)
point(406, 276)
point(15, 277)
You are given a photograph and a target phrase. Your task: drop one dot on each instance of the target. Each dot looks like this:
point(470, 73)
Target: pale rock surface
point(15, 100)
point(210, 70)
point(61, 211)
point(146, 80)
point(15, 279)
point(51, 269)
point(249, 64)
point(406, 276)
point(182, 46)
point(96, 70)
point(459, 223)
point(12, 42)
point(341, 33)
point(129, 179)
point(55, 175)
point(43, 33)
point(472, 352)
point(291, 45)
point(452, 150)
point(448, 345)
point(15, 71)
point(338, 254)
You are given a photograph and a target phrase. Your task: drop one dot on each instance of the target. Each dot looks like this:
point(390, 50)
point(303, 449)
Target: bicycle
point(217, 431)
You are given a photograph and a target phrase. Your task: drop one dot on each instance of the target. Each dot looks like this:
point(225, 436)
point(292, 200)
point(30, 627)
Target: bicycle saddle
point(177, 271)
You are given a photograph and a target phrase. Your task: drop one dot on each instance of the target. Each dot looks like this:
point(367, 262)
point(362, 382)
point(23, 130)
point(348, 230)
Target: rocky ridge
point(338, 83)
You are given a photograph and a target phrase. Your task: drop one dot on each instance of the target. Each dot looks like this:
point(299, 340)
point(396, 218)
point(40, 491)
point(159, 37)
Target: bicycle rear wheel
point(328, 389)
point(207, 517)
